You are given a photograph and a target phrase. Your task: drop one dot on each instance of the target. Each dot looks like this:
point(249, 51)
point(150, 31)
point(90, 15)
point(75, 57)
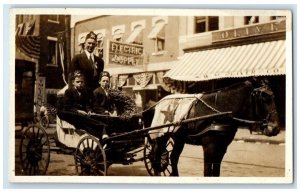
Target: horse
point(251, 103)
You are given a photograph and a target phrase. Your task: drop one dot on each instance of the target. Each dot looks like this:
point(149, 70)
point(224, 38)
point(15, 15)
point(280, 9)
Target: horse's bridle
point(255, 93)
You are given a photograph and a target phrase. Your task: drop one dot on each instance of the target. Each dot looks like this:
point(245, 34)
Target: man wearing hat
point(88, 63)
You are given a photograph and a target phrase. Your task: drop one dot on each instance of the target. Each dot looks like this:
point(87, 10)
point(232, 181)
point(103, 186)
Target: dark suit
point(101, 102)
point(72, 101)
point(82, 63)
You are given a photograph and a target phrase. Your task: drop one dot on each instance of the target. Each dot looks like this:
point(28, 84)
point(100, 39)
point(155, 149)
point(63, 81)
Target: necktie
point(93, 65)
point(91, 60)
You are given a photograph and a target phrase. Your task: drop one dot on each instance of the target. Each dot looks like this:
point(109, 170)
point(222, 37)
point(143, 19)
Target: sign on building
point(248, 31)
point(125, 54)
point(39, 92)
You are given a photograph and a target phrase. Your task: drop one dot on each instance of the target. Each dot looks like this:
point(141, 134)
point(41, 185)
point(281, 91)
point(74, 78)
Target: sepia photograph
point(150, 96)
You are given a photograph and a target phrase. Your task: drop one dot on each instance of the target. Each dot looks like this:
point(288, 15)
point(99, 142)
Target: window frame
point(159, 38)
point(55, 40)
point(118, 33)
point(207, 23)
point(54, 21)
point(247, 19)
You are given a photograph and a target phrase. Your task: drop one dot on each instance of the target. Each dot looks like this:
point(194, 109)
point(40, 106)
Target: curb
point(266, 141)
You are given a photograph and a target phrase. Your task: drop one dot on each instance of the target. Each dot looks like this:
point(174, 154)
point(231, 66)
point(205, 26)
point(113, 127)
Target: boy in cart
point(76, 97)
point(76, 106)
point(101, 100)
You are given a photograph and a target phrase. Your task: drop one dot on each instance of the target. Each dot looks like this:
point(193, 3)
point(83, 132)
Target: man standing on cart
point(88, 63)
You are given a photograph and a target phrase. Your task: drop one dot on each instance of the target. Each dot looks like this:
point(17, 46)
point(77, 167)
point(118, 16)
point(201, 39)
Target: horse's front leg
point(212, 161)
point(177, 150)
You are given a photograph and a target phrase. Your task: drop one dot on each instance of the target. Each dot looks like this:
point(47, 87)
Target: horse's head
point(265, 109)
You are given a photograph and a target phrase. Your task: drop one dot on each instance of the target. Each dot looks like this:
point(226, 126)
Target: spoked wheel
point(90, 158)
point(44, 122)
point(34, 151)
point(165, 168)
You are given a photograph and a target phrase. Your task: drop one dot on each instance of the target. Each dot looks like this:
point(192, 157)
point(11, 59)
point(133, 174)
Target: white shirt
point(89, 55)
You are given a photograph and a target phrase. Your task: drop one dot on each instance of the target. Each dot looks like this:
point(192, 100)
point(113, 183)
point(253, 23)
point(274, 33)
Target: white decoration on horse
point(171, 109)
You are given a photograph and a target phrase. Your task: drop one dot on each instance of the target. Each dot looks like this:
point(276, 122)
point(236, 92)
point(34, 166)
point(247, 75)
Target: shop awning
point(260, 59)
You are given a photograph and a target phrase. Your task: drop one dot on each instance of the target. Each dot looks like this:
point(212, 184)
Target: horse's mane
point(230, 87)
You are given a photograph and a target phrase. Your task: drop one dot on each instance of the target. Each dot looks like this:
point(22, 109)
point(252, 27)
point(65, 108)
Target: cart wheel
point(34, 151)
point(90, 158)
point(44, 122)
point(165, 162)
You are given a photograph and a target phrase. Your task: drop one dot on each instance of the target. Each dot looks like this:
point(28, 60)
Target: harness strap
point(247, 121)
point(237, 119)
point(212, 127)
point(209, 106)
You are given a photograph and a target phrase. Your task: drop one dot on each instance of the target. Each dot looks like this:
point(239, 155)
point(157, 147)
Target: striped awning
point(28, 45)
point(260, 59)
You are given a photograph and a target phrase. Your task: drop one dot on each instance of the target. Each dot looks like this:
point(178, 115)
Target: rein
point(235, 118)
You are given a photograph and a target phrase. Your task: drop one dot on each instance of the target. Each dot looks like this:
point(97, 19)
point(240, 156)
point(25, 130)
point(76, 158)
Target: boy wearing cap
point(76, 106)
point(88, 63)
point(101, 103)
point(76, 98)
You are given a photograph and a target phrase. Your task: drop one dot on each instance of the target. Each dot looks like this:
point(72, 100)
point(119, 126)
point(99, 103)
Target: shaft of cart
point(185, 121)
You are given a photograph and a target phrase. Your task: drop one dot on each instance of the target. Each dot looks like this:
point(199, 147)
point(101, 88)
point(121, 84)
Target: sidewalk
point(243, 134)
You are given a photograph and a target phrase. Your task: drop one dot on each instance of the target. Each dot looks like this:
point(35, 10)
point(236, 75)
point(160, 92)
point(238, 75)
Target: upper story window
point(53, 18)
point(136, 37)
point(277, 18)
point(52, 51)
point(206, 23)
point(99, 47)
point(251, 20)
point(158, 35)
point(118, 32)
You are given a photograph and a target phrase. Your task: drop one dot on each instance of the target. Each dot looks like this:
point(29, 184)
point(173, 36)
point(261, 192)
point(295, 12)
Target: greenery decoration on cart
point(124, 104)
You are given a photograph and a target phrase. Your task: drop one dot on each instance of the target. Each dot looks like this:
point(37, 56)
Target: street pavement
point(243, 134)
